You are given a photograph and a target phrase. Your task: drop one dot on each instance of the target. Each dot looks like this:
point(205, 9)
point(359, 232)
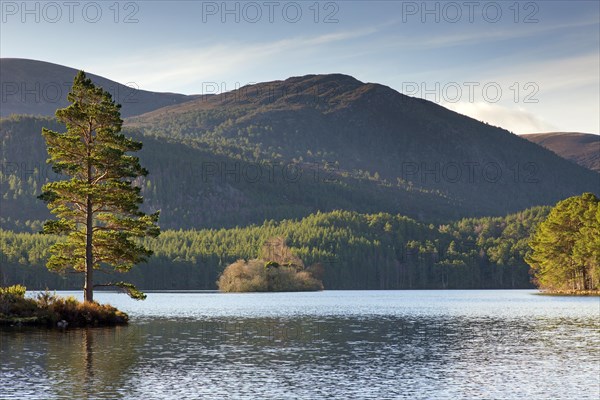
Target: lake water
point(332, 344)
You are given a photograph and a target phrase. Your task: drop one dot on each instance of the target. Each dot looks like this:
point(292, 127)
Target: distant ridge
point(581, 148)
point(39, 88)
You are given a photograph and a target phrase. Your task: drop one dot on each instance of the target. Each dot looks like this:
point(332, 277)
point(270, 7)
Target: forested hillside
point(370, 130)
point(358, 251)
point(199, 183)
point(195, 187)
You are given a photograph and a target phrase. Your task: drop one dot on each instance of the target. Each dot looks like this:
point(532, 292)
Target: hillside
point(195, 187)
point(286, 149)
point(370, 130)
point(581, 148)
point(39, 88)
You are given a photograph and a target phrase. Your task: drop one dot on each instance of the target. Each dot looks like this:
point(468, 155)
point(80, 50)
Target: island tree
point(565, 254)
point(98, 207)
point(277, 270)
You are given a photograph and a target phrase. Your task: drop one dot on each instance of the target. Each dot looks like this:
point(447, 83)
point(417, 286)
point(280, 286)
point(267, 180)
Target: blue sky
point(526, 66)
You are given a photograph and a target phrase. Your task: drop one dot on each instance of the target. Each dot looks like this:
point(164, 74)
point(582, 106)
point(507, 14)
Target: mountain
point(581, 148)
point(286, 149)
point(370, 130)
point(39, 88)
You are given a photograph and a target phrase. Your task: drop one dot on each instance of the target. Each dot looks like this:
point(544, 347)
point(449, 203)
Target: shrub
point(279, 270)
point(14, 303)
point(260, 276)
point(15, 291)
point(242, 276)
point(77, 313)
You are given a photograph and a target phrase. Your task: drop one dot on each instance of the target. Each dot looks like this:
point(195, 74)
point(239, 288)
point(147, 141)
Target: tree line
point(357, 251)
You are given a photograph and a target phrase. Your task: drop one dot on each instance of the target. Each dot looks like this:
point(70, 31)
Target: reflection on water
point(420, 345)
point(71, 364)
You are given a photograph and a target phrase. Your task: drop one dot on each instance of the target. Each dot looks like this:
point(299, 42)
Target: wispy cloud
point(469, 38)
point(516, 120)
point(180, 67)
point(556, 74)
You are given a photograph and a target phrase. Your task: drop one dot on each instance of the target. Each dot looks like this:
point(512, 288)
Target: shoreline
point(50, 310)
point(580, 293)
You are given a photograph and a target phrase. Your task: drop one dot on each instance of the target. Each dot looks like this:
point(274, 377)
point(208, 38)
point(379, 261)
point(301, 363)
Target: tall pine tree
point(98, 207)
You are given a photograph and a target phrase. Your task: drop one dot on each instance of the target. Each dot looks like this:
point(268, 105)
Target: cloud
point(516, 120)
point(181, 68)
point(556, 94)
point(494, 35)
point(419, 39)
point(559, 74)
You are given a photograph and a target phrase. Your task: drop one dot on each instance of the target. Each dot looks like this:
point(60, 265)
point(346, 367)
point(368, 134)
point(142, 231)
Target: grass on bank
point(47, 309)
point(569, 292)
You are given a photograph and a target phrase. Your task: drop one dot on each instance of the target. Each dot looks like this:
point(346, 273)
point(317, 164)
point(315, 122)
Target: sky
point(527, 66)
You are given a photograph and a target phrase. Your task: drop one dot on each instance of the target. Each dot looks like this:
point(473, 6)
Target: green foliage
point(98, 207)
point(351, 147)
point(12, 292)
point(356, 251)
point(565, 253)
point(191, 197)
point(14, 304)
point(201, 178)
point(131, 290)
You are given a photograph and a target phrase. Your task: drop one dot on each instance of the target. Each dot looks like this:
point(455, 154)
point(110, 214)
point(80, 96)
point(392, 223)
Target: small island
point(48, 309)
point(276, 270)
point(97, 206)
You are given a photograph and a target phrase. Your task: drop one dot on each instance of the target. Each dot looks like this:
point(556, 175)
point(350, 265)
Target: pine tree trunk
point(89, 225)
point(585, 279)
point(89, 257)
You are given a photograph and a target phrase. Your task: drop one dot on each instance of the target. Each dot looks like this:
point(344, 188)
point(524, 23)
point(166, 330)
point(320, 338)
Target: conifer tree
point(565, 252)
point(98, 207)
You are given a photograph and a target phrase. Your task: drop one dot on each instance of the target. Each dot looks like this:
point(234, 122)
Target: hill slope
point(194, 187)
point(39, 88)
point(290, 148)
point(581, 148)
point(370, 130)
